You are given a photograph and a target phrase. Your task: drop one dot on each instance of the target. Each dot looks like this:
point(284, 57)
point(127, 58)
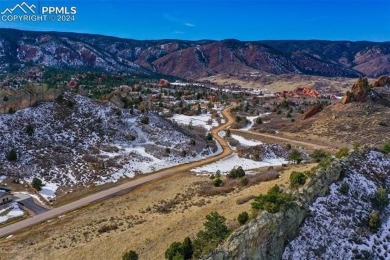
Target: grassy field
point(146, 220)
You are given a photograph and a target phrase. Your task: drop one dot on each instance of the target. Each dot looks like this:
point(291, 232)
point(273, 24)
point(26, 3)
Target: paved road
point(30, 204)
point(126, 186)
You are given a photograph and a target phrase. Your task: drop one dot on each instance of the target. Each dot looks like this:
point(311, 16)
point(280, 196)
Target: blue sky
point(217, 19)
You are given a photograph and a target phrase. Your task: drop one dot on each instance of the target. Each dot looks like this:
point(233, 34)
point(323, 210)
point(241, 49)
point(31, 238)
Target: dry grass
point(245, 199)
point(76, 235)
point(282, 82)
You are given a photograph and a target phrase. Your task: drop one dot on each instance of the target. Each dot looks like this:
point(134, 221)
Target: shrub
point(245, 199)
point(70, 103)
point(107, 228)
point(236, 173)
point(244, 181)
point(209, 137)
point(192, 142)
point(12, 156)
point(381, 199)
point(243, 218)
point(5, 98)
point(274, 201)
point(297, 179)
point(325, 162)
point(131, 255)
point(37, 184)
point(217, 182)
point(228, 133)
point(344, 188)
point(167, 150)
point(130, 137)
point(11, 110)
point(294, 156)
point(174, 251)
point(218, 174)
point(212, 177)
point(144, 120)
point(319, 154)
point(374, 221)
point(342, 152)
point(386, 148)
point(356, 146)
point(188, 248)
point(259, 121)
point(215, 232)
point(30, 130)
point(288, 146)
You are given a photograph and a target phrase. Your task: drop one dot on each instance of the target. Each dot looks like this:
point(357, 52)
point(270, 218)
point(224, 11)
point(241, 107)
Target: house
point(5, 196)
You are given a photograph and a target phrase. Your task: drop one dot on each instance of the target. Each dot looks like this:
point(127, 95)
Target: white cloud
point(189, 24)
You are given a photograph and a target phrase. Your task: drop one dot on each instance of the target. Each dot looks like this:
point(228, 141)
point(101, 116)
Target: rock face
point(358, 93)
point(265, 237)
point(382, 81)
point(26, 97)
point(360, 89)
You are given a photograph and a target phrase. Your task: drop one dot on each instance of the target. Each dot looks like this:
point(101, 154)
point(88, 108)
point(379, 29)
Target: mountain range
point(192, 59)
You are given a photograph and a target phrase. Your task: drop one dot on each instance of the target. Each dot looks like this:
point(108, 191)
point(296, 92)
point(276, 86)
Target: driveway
point(30, 204)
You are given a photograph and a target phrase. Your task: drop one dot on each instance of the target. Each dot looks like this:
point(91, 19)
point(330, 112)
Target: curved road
point(126, 186)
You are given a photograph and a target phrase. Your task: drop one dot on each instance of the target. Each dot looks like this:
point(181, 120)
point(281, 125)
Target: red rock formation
point(163, 83)
point(358, 93)
point(312, 111)
point(347, 98)
point(300, 92)
point(382, 81)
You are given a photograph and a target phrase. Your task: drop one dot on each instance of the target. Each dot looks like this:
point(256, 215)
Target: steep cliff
point(266, 236)
point(32, 94)
point(337, 204)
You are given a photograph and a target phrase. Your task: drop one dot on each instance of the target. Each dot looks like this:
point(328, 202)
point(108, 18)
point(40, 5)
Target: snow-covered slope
point(79, 142)
point(338, 225)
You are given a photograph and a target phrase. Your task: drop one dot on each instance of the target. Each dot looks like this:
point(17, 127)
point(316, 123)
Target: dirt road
point(250, 134)
point(126, 186)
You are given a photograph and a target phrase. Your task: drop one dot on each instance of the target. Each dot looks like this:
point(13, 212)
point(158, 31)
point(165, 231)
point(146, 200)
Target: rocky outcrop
point(382, 81)
point(265, 237)
point(12, 100)
point(312, 111)
point(358, 93)
point(163, 83)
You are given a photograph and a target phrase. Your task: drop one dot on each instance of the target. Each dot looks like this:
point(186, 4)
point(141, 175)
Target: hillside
point(74, 142)
point(362, 116)
point(192, 59)
point(331, 218)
